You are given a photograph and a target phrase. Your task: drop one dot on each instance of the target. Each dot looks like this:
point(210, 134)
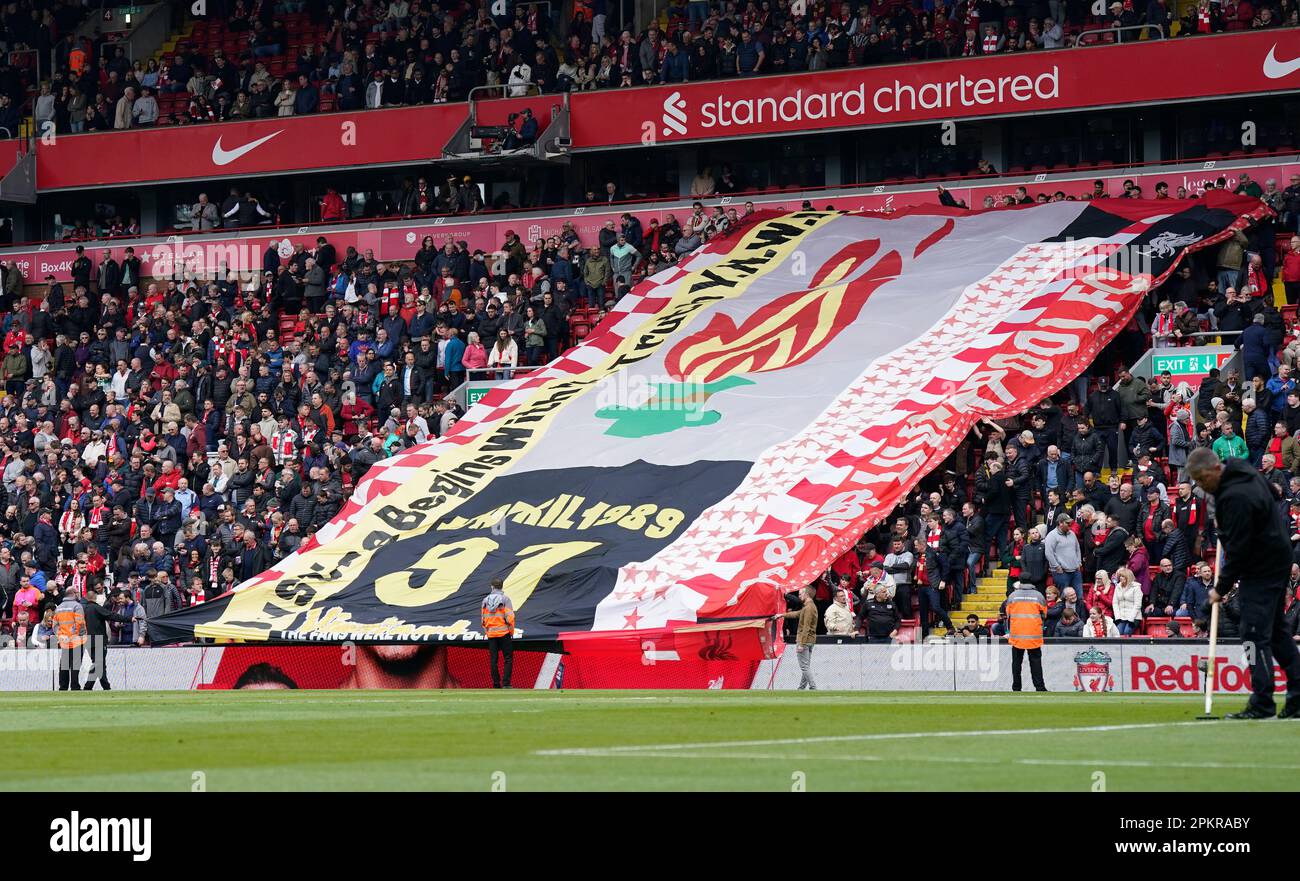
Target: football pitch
point(627, 741)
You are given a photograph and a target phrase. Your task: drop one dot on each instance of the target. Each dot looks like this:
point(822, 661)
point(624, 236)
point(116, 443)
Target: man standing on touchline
point(1257, 557)
point(499, 627)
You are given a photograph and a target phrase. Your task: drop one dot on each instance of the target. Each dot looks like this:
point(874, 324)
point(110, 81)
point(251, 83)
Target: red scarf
point(1099, 628)
point(70, 523)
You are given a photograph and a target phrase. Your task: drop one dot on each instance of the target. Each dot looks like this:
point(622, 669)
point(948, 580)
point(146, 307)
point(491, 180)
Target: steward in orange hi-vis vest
point(1026, 609)
point(498, 615)
point(499, 627)
point(70, 631)
point(70, 623)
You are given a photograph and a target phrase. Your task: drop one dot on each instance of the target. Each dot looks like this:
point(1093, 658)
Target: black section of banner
point(582, 524)
point(1157, 249)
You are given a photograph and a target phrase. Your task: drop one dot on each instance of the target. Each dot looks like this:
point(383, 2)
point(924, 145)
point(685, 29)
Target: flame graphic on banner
point(790, 329)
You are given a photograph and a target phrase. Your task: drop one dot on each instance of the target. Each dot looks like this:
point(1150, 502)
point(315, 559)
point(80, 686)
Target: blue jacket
point(1254, 347)
point(676, 68)
point(452, 355)
point(1194, 596)
point(1280, 391)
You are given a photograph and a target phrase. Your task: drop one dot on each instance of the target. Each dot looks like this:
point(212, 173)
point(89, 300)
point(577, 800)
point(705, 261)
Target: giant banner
point(730, 429)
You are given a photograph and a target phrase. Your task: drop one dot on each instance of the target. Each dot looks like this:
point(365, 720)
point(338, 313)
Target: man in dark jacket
point(1095, 492)
point(1033, 560)
point(1259, 429)
point(1112, 554)
point(953, 548)
point(977, 543)
point(1145, 439)
point(97, 637)
point(1127, 509)
point(1088, 450)
point(167, 517)
point(47, 543)
point(880, 614)
point(1256, 557)
point(1054, 472)
point(992, 492)
point(158, 598)
point(1019, 480)
point(303, 505)
point(1175, 548)
point(1104, 411)
point(1166, 590)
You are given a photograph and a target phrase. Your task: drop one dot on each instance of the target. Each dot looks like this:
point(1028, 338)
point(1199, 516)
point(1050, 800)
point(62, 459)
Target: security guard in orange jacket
point(70, 630)
point(1026, 610)
point(499, 627)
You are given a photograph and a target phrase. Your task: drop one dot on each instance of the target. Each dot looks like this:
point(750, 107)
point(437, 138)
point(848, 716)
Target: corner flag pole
point(1214, 638)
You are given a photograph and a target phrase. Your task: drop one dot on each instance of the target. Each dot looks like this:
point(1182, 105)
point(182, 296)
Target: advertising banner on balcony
point(996, 85)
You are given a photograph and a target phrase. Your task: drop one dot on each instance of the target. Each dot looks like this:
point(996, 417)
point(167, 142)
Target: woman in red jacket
point(1291, 271)
point(1102, 594)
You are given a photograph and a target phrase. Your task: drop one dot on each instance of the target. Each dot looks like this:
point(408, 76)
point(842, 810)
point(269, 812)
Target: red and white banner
point(404, 135)
point(1151, 71)
point(691, 510)
point(399, 241)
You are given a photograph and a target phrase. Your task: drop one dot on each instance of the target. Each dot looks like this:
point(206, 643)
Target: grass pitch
point(586, 740)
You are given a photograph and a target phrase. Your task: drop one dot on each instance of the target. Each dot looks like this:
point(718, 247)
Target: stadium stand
point(173, 437)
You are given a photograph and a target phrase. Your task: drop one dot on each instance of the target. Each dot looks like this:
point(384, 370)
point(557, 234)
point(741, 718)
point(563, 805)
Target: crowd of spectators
point(385, 54)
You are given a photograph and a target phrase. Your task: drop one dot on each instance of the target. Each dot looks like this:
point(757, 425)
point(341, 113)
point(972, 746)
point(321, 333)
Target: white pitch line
point(847, 738)
point(948, 760)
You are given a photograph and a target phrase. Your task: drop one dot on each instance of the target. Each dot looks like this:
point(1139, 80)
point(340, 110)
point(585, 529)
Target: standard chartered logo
point(674, 118)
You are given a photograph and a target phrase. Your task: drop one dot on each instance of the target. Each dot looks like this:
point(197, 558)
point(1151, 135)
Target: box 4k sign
point(1194, 361)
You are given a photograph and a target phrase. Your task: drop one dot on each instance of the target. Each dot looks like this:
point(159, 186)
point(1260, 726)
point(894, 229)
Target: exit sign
point(1188, 363)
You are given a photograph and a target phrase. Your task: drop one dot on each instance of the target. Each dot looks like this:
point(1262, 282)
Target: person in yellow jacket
point(1026, 609)
point(499, 627)
point(70, 631)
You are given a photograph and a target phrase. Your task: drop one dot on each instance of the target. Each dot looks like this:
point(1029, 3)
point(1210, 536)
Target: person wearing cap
point(1064, 554)
point(874, 577)
point(515, 253)
point(878, 613)
point(498, 618)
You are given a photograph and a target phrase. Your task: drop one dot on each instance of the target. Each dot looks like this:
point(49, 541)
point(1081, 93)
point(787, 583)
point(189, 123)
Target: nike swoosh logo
point(225, 157)
point(1275, 70)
